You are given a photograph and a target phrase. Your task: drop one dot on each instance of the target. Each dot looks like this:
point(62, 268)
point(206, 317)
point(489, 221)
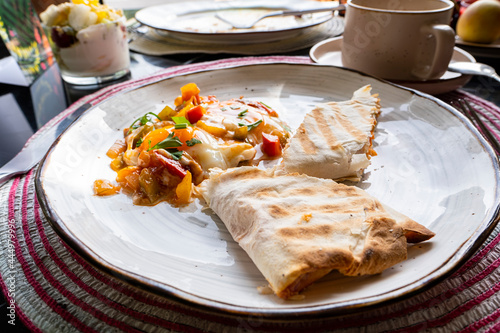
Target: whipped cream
point(88, 39)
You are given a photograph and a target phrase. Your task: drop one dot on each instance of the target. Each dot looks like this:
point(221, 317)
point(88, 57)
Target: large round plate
point(432, 165)
point(196, 21)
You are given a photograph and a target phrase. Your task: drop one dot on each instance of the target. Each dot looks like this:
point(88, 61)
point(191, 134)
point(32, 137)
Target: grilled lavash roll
point(297, 228)
point(335, 139)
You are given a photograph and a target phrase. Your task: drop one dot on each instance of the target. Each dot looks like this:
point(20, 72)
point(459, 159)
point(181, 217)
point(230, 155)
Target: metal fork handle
point(280, 13)
point(304, 11)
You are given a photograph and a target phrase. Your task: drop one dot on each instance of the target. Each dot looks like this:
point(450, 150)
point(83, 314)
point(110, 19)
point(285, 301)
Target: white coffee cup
point(407, 40)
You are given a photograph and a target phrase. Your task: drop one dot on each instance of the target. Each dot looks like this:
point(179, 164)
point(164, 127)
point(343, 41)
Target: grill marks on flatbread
point(297, 228)
point(329, 123)
point(335, 139)
point(295, 222)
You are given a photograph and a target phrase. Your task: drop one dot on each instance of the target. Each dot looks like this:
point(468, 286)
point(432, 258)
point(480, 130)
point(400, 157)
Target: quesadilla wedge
point(335, 139)
point(298, 228)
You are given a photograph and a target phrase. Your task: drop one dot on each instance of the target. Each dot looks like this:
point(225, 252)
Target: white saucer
point(328, 52)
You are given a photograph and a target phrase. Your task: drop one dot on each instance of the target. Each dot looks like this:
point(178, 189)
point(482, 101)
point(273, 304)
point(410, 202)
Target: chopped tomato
point(271, 144)
point(172, 166)
point(195, 114)
point(189, 90)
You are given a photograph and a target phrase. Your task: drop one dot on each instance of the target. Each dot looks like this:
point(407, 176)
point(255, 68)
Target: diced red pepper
point(173, 166)
point(195, 114)
point(271, 144)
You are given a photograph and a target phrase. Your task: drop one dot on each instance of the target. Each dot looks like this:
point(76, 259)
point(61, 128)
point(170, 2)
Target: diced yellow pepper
point(154, 137)
point(166, 113)
point(117, 163)
point(104, 187)
point(123, 173)
point(189, 90)
point(241, 133)
point(184, 189)
point(178, 101)
point(182, 113)
point(218, 131)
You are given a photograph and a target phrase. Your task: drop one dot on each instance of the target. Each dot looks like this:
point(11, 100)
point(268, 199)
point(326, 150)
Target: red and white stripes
point(57, 290)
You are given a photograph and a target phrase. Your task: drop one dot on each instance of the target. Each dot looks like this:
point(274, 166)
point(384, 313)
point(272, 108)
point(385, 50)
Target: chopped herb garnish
point(251, 126)
point(192, 142)
point(234, 107)
point(223, 109)
point(176, 154)
point(242, 113)
point(265, 105)
point(142, 121)
point(180, 126)
point(181, 120)
point(170, 142)
point(139, 142)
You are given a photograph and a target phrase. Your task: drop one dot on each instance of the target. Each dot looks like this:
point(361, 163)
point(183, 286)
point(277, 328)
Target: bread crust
point(297, 228)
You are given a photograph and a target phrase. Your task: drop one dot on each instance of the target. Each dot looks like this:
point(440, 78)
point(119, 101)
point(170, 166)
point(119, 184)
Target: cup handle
point(445, 41)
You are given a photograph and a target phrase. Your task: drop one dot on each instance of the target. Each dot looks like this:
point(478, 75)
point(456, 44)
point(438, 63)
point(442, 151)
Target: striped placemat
point(50, 288)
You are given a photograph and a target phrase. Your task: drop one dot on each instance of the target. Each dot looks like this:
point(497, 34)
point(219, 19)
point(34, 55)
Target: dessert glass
point(94, 54)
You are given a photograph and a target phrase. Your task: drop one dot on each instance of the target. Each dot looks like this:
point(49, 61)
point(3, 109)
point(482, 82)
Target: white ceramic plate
point(156, 42)
point(196, 21)
point(432, 165)
point(480, 50)
point(328, 52)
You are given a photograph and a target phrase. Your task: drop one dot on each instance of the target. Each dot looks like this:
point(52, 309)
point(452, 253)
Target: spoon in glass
point(473, 68)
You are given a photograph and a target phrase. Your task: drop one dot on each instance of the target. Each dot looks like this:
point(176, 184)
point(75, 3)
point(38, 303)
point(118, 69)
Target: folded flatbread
point(335, 139)
point(297, 228)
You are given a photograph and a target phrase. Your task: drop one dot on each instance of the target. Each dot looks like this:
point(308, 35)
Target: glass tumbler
point(96, 54)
